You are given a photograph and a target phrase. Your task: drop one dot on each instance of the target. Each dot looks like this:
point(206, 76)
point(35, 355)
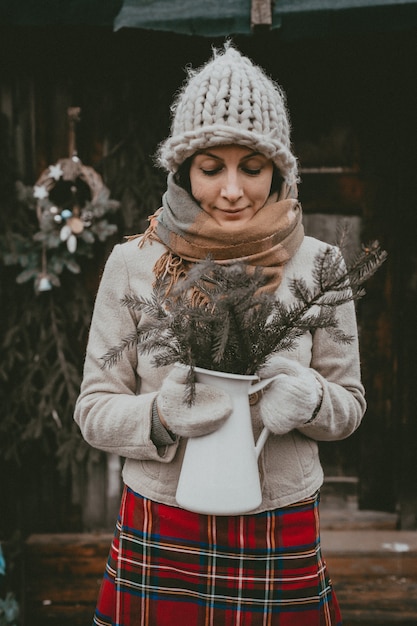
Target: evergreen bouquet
point(234, 325)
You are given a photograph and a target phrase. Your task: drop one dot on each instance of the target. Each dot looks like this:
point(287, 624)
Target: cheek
point(264, 188)
point(195, 188)
point(261, 194)
point(201, 190)
point(196, 193)
point(194, 182)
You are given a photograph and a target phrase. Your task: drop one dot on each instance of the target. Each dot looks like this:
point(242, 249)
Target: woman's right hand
point(210, 409)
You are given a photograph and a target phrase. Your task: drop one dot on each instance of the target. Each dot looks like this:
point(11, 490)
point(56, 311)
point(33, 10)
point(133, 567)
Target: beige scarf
point(269, 240)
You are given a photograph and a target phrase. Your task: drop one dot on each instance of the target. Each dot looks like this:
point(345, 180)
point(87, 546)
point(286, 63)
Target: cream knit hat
point(229, 101)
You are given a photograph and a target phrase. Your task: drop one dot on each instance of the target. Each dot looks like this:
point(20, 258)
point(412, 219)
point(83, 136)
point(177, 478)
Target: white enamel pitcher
point(219, 474)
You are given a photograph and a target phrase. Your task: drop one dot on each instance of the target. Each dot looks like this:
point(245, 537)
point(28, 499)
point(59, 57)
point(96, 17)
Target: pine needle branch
point(235, 325)
point(114, 354)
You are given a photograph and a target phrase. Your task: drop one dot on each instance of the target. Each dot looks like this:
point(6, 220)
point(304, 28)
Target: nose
point(231, 188)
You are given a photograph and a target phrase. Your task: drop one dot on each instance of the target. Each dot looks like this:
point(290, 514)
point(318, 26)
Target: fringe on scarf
point(170, 268)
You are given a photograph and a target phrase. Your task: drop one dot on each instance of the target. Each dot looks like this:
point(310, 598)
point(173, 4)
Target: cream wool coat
point(114, 406)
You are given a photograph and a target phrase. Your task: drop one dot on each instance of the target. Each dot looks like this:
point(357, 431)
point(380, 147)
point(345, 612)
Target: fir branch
point(237, 326)
point(114, 354)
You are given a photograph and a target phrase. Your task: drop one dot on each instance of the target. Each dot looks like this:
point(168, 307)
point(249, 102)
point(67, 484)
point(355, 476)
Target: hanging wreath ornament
point(71, 202)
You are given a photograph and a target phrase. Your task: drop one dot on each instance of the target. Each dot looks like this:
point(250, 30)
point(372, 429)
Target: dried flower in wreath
point(235, 327)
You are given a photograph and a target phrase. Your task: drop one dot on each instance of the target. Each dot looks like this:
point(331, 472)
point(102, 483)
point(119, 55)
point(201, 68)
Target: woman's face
point(231, 183)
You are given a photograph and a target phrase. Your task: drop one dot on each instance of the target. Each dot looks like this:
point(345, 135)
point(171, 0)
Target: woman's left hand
point(292, 399)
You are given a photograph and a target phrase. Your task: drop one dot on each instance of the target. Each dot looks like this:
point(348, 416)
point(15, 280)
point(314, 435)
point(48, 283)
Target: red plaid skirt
point(170, 567)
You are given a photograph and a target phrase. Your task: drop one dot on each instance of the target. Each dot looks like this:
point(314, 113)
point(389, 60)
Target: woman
point(231, 192)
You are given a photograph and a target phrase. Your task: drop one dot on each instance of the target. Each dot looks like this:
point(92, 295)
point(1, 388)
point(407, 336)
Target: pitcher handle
point(261, 441)
point(265, 431)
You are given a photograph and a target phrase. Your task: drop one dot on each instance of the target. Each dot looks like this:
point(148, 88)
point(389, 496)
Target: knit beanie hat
point(229, 100)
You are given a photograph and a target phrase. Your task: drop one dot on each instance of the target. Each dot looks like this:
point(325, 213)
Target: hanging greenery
point(42, 345)
point(41, 364)
point(49, 233)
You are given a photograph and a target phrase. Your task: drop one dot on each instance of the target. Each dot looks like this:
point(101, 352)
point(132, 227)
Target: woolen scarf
point(269, 239)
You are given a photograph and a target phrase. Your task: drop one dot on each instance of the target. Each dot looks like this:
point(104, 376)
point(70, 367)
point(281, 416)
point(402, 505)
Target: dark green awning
point(58, 12)
point(191, 17)
point(296, 17)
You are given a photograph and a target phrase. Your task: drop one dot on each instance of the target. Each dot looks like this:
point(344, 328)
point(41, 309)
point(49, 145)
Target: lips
point(234, 210)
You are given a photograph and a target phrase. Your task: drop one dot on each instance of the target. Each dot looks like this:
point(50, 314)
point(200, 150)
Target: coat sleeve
point(111, 413)
point(337, 367)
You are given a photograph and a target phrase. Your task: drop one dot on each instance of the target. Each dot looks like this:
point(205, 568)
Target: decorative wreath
point(71, 202)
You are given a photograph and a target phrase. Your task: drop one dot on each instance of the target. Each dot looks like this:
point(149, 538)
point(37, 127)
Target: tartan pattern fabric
point(170, 567)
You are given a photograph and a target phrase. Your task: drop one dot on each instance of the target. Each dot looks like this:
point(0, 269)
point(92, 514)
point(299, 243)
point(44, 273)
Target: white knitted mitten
point(292, 399)
point(211, 407)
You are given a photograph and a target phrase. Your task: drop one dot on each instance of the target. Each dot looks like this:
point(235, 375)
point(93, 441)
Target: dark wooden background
point(353, 106)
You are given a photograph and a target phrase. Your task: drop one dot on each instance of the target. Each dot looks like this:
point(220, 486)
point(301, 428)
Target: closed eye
point(251, 172)
point(211, 172)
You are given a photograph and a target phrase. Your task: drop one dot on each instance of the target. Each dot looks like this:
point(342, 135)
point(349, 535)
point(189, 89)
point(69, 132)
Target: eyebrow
point(219, 158)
